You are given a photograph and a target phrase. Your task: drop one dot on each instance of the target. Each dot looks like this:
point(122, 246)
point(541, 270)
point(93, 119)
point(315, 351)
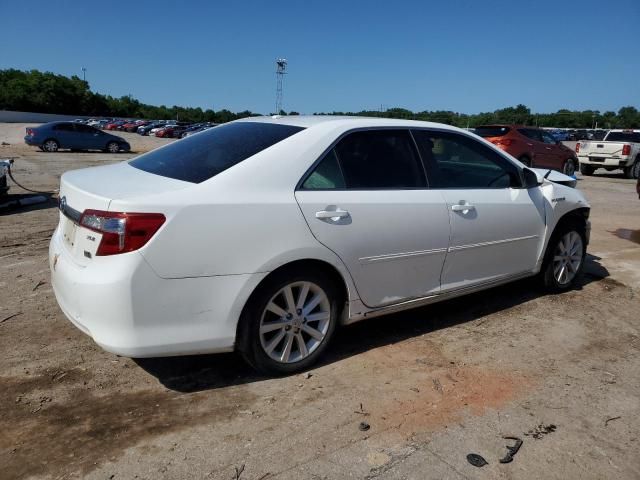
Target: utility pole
point(281, 67)
point(84, 74)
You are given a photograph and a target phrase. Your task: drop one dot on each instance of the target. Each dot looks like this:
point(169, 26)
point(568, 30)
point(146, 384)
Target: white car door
point(367, 201)
point(497, 226)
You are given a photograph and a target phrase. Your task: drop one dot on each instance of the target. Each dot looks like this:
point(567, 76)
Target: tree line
point(46, 92)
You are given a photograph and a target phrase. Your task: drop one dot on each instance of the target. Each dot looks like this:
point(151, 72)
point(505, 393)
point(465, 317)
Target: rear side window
point(200, 157)
point(531, 133)
point(64, 127)
point(370, 159)
point(623, 137)
point(327, 175)
point(491, 131)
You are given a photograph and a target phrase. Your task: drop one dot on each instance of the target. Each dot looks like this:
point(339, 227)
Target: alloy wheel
point(113, 147)
point(567, 258)
point(295, 322)
point(51, 146)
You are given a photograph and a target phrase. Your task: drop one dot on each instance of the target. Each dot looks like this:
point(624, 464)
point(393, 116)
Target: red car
point(532, 146)
point(171, 131)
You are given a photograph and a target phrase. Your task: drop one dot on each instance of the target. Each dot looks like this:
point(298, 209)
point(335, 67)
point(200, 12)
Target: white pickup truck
point(619, 149)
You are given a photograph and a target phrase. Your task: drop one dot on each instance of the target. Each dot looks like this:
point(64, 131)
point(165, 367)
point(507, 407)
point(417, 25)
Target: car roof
point(307, 121)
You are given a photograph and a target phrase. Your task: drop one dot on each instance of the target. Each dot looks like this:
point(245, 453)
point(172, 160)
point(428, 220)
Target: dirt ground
point(562, 372)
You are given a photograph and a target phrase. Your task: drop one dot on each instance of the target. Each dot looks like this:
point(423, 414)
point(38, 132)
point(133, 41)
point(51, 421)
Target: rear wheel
point(50, 145)
point(288, 322)
point(526, 160)
point(569, 167)
point(113, 147)
point(587, 169)
point(564, 259)
point(634, 170)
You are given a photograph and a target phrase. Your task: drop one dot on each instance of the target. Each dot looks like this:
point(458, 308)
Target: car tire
point(278, 340)
point(569, 167)
point(563, 264)
point(50, 145)
point(526, 160)
point(587, 170)
point(113, 147)
point(633, 171)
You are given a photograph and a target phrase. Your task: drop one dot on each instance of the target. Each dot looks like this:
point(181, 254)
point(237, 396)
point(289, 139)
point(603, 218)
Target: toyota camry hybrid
point(265, 234)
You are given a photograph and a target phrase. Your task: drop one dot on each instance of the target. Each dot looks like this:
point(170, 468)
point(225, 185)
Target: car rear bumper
point(129, 310)
point(605, 161)
point(31, 141)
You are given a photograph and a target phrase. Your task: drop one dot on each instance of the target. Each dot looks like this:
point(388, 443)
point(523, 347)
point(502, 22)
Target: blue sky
point(466, 56)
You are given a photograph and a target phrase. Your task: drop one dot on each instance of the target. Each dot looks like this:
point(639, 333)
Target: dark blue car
point(53, 136)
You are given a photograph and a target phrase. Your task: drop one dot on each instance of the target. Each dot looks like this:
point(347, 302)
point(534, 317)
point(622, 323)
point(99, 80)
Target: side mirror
point(531, 178)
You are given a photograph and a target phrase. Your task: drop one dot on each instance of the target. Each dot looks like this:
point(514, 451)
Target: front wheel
point(569, 167)
point(587, 170)
point(113, 147)
point(289, 321)
point(565, 257)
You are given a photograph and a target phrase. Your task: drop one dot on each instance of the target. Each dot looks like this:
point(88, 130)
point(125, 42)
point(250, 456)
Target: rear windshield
point(492, 131)
point(623, 137)
point(200, 157)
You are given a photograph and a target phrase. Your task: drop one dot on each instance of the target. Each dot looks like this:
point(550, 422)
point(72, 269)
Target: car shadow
point(195, 373)
point(21, 203)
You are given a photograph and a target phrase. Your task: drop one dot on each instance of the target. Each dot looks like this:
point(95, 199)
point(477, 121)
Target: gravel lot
point(434, 384)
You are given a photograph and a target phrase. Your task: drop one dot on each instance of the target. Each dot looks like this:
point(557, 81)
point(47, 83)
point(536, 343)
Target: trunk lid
point(601, 148)
point(94, 189)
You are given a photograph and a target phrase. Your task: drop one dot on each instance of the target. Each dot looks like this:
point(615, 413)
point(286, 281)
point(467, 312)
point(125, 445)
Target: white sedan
point(264, 234)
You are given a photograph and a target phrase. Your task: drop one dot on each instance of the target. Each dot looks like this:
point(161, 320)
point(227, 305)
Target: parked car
point(171, 131)
point(532, 146)
point(159, 127)
point(53, 136)
point(263, 234)
point(559, 135)
point(619, 149)
point(145, 129)
point(114, 125)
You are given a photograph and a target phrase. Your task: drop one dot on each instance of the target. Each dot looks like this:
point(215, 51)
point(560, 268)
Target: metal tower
point(281, 67)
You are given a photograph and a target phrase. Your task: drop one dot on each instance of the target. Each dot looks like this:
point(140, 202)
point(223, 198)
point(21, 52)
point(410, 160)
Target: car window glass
point(547, 138)
point(327, 175)
point(84, 128)
point(64, 127)
point(199, 157)
point(380, 159)
point(456, 161)
point(531, 133)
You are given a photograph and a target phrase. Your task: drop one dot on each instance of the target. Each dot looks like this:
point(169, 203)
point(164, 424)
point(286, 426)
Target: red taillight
point(121, 232)
point(577, 147)
point(626, 150)
point(502, 142)
point(31, 132)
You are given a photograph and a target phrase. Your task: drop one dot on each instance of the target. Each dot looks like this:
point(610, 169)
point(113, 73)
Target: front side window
point(200, 157)
point(456, 161)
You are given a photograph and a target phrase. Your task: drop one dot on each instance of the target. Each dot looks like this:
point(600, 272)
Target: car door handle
point(324, 214)
point(462, 207)
point(548, 148)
